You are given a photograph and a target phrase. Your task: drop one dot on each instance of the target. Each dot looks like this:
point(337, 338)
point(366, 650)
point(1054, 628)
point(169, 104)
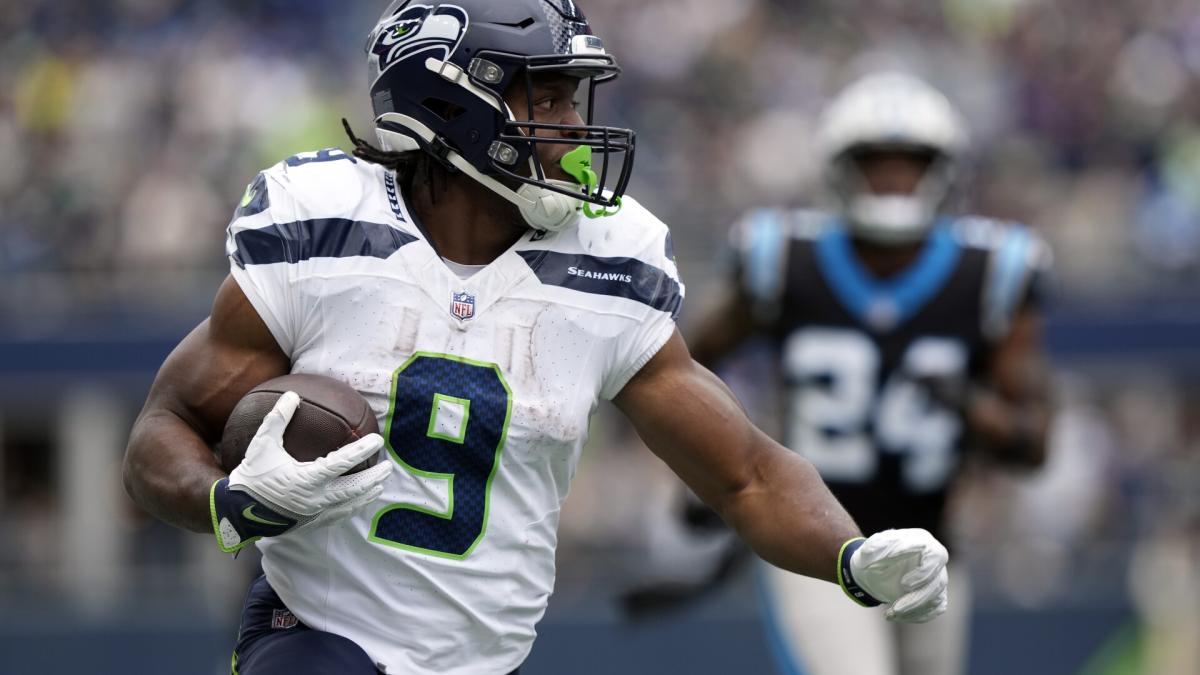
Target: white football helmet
point(890, 111)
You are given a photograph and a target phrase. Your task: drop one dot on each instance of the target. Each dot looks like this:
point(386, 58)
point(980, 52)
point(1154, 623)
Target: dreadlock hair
point(407, 165)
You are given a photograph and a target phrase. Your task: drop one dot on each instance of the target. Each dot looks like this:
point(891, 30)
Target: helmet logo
point(418, 29)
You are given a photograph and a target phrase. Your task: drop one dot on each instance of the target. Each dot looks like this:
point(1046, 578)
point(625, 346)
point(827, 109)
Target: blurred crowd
point(129, 127)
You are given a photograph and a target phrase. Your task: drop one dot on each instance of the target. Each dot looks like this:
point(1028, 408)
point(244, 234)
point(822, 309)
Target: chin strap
point(897, 218)
point(542, 209)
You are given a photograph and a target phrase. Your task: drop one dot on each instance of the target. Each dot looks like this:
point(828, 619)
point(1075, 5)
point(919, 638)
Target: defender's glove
point(905, 569)
point(270, 492)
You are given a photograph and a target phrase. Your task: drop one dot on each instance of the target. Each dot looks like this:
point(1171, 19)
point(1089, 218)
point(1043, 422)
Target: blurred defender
point(904, 335)
point(483, 287)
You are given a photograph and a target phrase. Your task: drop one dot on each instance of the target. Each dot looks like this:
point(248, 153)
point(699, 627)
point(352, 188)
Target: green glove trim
point(212, 509)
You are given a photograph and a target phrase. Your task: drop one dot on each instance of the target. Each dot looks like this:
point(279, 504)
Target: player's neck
point(464, 221)
point(886, 261)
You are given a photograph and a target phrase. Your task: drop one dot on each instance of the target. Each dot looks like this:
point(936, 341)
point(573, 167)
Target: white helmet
point(890, 111)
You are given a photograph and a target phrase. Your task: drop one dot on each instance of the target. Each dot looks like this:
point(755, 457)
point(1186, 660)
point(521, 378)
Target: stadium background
point(128, 129)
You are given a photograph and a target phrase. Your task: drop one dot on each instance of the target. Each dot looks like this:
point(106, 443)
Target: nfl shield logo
point(282, 619)
point(463, 306)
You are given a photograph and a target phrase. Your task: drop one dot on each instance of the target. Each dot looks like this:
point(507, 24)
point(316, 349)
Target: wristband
point(846, 577)
point(239, 519)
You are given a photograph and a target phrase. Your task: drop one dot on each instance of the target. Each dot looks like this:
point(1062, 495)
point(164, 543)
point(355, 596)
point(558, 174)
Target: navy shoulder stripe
point(628, 278)
point(318, 238)
point(256, 200)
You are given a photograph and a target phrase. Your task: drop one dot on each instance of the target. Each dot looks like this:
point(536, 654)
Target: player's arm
point(772, 497)
point(1010, 416)
point(169, 463)
point(719, 332)
point(171, 471)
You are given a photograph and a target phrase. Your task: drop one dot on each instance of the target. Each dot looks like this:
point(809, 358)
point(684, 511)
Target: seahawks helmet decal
point(417, 29)
point(443, 84)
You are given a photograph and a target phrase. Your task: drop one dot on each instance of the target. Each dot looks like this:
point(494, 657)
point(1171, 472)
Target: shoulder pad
point(995, 235)
point(632, 232)
point(809, 223)
point(762, 224)
point(329, 191)
point(761, 240)
point(1017, 257)
point(981, 232)
point(323, 184)
point(631, 247)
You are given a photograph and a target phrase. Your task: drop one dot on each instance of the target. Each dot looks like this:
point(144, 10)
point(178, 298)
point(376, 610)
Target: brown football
point(330, 415)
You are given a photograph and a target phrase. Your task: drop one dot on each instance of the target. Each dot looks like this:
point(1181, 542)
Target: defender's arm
point(773, 497)
point(169, 464)
point(722, 330)
point(1011, 417)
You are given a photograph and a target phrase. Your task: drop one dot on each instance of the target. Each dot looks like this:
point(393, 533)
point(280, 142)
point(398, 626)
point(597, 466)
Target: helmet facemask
point(891, 217)
point(600, 162)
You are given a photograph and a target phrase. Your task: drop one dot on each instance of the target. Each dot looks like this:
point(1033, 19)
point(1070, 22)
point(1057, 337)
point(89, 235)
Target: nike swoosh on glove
point(271, 493)
point(904, 569)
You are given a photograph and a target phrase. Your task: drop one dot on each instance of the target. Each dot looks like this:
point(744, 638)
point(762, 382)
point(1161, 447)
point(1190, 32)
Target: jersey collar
point(464, 299)
point(884, 304)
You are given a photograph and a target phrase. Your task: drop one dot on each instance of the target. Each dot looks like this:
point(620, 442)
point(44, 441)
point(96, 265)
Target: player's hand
point(952, 392)
point(904, 569)
point(271, 493)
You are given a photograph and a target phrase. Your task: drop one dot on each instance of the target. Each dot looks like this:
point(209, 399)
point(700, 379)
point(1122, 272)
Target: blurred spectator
point(132, 125)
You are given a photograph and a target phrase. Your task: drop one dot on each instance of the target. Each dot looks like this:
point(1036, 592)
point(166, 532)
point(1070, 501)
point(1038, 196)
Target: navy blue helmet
point(439, 72)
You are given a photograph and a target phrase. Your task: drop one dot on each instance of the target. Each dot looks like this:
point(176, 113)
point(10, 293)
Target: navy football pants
point(271, 641)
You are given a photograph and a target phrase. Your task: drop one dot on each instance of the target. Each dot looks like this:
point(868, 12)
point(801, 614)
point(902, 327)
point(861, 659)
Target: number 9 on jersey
point(447, 422)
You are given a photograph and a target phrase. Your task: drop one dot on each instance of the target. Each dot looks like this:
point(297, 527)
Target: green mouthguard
point(578, 165)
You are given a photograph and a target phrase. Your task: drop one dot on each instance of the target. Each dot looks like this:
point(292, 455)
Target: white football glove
point(904, 569)
point(271, 493)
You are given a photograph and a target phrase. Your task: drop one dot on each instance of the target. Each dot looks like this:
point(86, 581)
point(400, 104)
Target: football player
point(481, 278)
point(904, 335)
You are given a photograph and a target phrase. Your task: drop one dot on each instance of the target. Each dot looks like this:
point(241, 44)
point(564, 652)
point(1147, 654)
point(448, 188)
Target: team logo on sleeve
point(417, 29)
point(462, 306)
point(256, 199)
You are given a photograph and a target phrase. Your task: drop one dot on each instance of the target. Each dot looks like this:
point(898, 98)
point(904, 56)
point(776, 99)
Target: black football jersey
point(859, 354)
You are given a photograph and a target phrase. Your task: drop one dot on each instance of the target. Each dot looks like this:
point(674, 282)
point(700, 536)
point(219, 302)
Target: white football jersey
point(483, 389)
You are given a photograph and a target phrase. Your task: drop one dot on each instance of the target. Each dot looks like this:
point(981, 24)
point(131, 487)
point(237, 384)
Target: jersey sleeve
point(1018, 277)
point(259, 247)
point(655, 278)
